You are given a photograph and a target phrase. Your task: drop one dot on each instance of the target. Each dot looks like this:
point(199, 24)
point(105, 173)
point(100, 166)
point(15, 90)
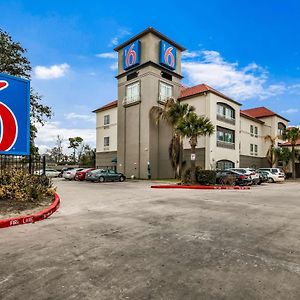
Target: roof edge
point(107, 106)
point(149, 30)
point(251, 118)
point(211, 90)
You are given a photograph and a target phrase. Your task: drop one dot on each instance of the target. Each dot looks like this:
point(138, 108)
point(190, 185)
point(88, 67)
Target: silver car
point(70, 174)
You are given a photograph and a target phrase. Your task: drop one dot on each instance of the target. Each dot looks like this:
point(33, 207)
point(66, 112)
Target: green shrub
point(20, 186)
point(204, 177)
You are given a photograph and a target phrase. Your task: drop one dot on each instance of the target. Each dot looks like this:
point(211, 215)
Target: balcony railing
point(227, 145)
point(226, 119)
point(131, 100)
point(163, 98)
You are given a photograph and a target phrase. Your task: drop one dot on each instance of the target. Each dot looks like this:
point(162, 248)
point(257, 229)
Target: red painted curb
point(200, 187)
point(42, 215)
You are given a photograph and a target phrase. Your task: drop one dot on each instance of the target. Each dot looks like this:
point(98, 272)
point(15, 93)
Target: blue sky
point(250, 50)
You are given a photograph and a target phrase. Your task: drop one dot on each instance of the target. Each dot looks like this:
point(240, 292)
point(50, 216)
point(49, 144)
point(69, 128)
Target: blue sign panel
point(132, 55)
point(167, 55)
point(14, 115)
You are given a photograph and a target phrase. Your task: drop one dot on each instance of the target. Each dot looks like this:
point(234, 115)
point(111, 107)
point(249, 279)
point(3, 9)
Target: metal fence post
point(44, 165)
point(30, 164)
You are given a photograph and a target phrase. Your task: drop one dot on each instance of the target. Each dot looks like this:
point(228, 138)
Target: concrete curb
point(199, 187)
point(42, 215)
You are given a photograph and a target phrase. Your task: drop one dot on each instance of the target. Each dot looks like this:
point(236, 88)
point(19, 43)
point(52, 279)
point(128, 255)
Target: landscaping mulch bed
point(9, 209)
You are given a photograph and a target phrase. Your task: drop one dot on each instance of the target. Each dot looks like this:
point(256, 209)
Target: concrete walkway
point(127, 241)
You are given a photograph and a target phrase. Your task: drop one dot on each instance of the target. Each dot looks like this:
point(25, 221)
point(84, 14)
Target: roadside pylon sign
point(14, 115)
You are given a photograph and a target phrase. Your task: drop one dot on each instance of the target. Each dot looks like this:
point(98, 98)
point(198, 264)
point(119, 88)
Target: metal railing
point(131, 100)
point(30, 164)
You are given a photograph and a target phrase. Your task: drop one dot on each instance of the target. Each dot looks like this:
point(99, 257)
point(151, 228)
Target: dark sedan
point(263, 176)
point(228, 177)
point(101, 175)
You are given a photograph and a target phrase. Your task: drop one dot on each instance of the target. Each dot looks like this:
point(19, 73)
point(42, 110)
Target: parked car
point(80, 175)
point(226, 177)
point(274, 177)
point(48, 172)
point(263, 176)
point(274, 171)
point(101, 175)
point(64, 170)
point(250, 172)
point(70, 174)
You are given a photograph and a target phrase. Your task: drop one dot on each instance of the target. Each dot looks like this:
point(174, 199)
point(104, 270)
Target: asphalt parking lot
point(127, 241)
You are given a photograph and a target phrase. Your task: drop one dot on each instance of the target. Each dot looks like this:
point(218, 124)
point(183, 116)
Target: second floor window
point(225, 135)
point(106, 141)
point(106, 120)
point(133, 92)
point(165, 91)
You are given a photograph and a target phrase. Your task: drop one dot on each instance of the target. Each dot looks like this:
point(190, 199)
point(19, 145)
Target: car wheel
point(101, 179)
point(271, 180)
point(122, 178)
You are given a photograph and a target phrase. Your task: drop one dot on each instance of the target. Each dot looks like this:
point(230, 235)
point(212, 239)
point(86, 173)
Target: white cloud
point(190, 54)
point(114, 66)
point(111, 55)
point(115, 39)
point(52, 72)
point(241, 83)
point(47, 135)
point(75, 116)
point(290, 111)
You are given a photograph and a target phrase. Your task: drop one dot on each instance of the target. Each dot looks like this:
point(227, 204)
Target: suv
point(278, 175)
point(250, 172)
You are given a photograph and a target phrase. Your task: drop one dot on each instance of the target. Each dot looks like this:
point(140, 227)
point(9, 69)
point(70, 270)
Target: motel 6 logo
point(167, 55)
point(14, 115)
point(131, 55)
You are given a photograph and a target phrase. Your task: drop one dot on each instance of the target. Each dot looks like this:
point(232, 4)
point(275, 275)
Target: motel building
point(149, 72)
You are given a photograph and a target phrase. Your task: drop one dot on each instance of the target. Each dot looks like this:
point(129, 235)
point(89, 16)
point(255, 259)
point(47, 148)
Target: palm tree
point(292, 135)
point(172, 112)
point(284, 155)
point(191, 127)
point(271, 155)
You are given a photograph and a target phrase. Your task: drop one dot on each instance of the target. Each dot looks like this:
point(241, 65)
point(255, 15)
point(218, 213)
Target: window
point(225, 137)
point(253, 149)
point(225, 113)
point(224, 164)
point(251, 129)
point(106, 141)
point(165, 91)
point(106, 120)
point(256, 131)
point(132, 76)
point(166, 75)
point(132, 93)
point(281, 129)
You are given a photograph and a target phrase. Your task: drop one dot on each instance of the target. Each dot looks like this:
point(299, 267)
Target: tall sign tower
point(149, 72)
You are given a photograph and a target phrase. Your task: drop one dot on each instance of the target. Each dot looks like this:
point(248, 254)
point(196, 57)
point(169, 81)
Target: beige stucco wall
point(140, 139)
point(247, 138)
point(103, 131)
point(206, 105)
